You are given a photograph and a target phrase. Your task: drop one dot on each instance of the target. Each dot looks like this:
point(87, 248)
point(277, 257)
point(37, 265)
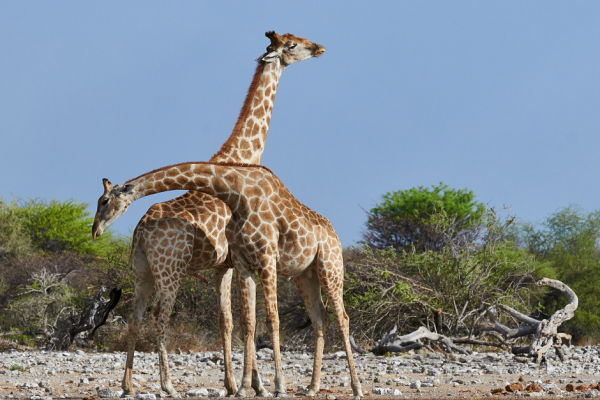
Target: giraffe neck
point(247, 141)
point(212, 178)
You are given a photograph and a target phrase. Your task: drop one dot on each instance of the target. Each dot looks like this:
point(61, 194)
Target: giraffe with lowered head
point(187, 234)
point(270, 233)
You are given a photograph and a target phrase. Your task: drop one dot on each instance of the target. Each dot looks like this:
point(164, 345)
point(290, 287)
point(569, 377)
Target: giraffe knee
point(273, 319)
point(227, 324)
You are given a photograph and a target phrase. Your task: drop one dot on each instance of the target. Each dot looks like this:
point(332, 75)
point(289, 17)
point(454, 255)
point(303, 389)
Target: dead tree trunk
point(545, 332)
point(393, 343)
point(90, 318)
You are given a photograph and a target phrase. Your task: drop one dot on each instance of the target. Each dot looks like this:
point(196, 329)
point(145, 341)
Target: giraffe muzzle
point(96, 230)
point(319, 50)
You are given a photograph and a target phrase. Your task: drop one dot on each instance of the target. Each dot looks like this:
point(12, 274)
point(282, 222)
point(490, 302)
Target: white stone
point(216, 392)
point(145, 396)
point(107, 393)
point(200, 392)
point(302, 388)
point(382, 391)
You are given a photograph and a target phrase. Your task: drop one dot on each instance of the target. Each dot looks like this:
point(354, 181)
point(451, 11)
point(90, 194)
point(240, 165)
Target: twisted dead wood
point(545, 334)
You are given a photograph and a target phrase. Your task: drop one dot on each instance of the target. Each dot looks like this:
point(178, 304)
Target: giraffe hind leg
point(161, 312)
point(143, 285)
point(310, 288)
point(168, 262)
point(333, 288)
point(222, 278)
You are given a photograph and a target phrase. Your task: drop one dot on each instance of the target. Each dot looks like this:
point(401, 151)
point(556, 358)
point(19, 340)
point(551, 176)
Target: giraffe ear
point(127, 188)
point(270, 56)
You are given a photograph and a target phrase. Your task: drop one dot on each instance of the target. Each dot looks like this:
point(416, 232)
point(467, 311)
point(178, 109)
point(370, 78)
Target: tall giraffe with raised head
point(271, 233)
point(187, 234)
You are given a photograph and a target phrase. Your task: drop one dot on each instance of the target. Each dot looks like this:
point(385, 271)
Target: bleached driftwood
point(393, 343)
point(545, 334)
point(545, 331)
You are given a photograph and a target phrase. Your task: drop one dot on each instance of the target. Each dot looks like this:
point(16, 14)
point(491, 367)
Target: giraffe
point(187, 234)
point(270, 233)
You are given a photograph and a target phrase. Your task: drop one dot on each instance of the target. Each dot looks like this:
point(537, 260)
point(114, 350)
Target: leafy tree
point(57, 226)
point(406, 219)
point(566, 243)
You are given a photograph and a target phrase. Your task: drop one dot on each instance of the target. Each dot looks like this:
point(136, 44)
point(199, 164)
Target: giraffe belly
point(295, 256)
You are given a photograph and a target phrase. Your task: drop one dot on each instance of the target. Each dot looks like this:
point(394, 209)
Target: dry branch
point(393, 343)
point(92, 316)
point(545, 335)
point(544, 331)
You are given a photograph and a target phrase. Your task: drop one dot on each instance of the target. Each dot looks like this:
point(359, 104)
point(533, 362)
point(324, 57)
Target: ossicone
point(273, 37)
point(107, 185)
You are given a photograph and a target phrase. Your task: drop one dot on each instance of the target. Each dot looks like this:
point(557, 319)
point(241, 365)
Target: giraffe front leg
point(268, 278)
point(310, 288)
point(247, 288)
point(222, 279)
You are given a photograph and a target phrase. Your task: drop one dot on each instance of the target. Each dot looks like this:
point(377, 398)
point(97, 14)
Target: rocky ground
point(46, 375)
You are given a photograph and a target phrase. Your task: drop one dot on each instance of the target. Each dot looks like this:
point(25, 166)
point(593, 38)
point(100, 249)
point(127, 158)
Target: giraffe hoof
point(170, 390)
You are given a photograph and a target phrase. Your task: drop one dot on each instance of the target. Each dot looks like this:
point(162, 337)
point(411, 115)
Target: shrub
point(445, 290)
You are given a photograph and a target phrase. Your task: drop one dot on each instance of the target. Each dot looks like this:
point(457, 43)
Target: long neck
point(217, 180)
point(247, 141)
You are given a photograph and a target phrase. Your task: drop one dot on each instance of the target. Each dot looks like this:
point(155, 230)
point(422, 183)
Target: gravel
point(50, 375)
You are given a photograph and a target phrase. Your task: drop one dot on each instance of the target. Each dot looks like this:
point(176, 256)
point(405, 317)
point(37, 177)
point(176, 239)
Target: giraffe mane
point(224, 164)
point(245, 108)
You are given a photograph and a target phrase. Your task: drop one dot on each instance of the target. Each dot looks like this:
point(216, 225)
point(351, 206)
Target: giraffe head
point(113, 202)
point(290, 49)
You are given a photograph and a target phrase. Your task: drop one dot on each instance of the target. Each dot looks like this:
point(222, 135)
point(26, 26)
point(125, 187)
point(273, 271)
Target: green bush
point(14, 241)
point(445, 290)
point(405, 219)
point(57, 226)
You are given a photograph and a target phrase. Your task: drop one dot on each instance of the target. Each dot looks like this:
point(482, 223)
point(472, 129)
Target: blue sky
point(500, 97)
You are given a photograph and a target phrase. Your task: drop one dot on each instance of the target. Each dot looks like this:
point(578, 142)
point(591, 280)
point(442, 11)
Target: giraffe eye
point(292, 47)
point(104, 202)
